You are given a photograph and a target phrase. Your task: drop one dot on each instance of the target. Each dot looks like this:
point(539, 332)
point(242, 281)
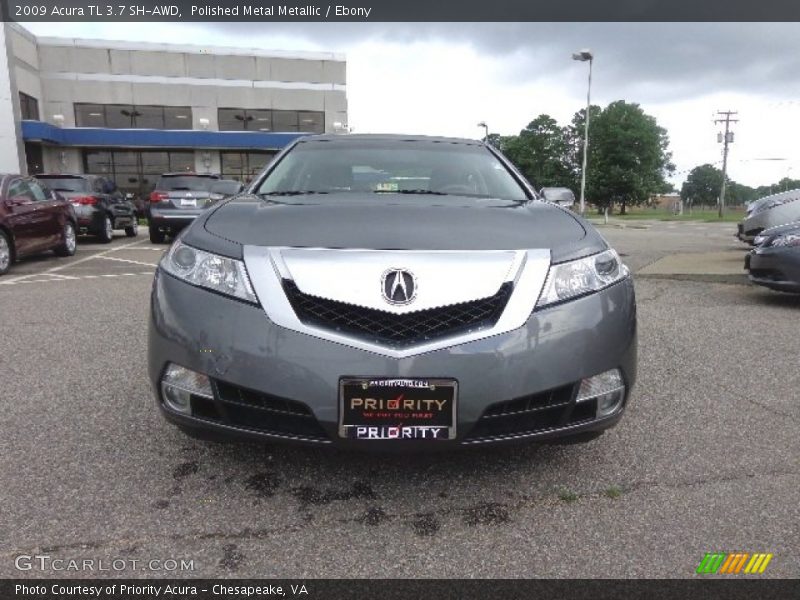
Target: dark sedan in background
point(392, 292)
point(33, 219)
point(775, 261)
point(99, 205)
point(178, 199)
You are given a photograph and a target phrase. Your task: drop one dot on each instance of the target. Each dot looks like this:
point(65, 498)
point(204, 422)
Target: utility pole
point(727, 138)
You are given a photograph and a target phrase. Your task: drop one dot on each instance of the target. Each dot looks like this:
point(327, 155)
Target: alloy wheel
point(5, 253)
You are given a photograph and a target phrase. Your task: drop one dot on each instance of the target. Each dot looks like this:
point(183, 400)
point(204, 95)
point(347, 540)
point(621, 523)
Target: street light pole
point(584, 56)
point(486, 130)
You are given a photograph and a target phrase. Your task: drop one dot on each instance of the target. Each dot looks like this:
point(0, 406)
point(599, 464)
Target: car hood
point(781, 229)
point(411, 222)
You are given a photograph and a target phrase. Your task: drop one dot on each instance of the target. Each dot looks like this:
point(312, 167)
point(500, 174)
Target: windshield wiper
point(431, 192)
point(290, 193)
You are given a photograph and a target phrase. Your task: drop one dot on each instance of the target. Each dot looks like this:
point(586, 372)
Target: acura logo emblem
point(399, 286)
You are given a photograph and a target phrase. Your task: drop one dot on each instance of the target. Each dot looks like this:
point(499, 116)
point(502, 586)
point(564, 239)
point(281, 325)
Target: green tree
point(629, 158)
point(541, 153)
point(702, 186)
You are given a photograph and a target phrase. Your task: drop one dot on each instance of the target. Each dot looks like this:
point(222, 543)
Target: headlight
point(759, 239)
point(789, 239)
point(218, 273)
point(582, 276)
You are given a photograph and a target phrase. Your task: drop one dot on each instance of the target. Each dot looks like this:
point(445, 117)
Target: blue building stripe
point(40, 131)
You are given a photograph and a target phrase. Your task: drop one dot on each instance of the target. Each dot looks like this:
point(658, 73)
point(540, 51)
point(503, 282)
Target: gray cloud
point(644, 61)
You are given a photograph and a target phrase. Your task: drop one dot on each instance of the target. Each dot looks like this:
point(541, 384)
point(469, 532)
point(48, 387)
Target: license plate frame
point(408, 409)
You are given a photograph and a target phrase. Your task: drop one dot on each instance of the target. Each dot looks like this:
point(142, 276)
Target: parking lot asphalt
point(706, 459)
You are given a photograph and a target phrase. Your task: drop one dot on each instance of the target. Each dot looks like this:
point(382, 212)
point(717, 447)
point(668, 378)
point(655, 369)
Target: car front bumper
point(255, 364)
point(775, 268)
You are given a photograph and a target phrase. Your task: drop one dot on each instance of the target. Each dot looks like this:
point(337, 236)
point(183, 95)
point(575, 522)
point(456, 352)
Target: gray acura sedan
point(386, 292)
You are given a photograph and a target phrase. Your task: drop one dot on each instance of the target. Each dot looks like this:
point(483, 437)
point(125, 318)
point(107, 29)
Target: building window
point(29, 107)
point(240, 119)
point(243, 166)
point(126, 116)
point(136, 171)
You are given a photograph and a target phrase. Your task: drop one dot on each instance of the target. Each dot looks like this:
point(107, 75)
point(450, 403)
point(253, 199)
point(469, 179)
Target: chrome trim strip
point(266, 268)
point(355, 276)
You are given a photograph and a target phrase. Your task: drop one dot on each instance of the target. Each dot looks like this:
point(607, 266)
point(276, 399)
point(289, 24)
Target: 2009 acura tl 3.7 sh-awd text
point(392, 292)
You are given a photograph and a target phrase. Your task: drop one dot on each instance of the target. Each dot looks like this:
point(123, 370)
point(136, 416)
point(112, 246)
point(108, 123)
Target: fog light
point(178, 386)
point(607, 388)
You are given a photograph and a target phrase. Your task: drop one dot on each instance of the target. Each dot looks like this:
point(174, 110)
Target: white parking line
point(28, 281)
point(125, 260)
point(72, 264)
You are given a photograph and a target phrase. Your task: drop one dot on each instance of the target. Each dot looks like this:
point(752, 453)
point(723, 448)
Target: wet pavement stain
point(374, 516)
point(310, 496)
point(231, 558)
point(425, 525)
point(486, 514)
point(185, 469)
point(263, 484)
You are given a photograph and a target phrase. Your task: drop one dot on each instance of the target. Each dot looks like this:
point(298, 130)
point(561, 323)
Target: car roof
point(395, 137)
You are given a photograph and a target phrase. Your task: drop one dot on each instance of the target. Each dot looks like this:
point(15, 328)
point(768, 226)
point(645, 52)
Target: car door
point(27, 223)
point(52, 207)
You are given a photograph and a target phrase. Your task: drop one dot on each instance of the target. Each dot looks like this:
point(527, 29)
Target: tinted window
point(177, 117)
point(29, 106)
point(90, 115)
point(194, 183)
point(20, 189)
point(393, 167)
point(67, 184)
point(38, 191)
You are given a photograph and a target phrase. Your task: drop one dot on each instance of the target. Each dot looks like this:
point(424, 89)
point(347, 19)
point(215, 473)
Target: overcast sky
point(443, 78)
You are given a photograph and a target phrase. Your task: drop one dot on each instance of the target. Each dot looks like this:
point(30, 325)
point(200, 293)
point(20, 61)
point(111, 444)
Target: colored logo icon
point(723, 563)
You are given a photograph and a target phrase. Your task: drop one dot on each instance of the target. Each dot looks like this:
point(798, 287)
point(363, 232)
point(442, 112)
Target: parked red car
point(33, 219)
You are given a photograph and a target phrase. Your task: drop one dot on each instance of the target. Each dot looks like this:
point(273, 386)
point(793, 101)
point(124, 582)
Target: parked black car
point(775, 261)
point(176, 200)
point(33, 219)
point(99, 205)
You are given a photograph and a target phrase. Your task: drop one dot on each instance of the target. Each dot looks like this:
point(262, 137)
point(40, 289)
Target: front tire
point(156, 236)
point(106, 233)
point(68, 245)
point(133, 230)
point(5, 253)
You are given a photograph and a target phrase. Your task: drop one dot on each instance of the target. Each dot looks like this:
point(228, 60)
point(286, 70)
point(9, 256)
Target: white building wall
point(11, 147)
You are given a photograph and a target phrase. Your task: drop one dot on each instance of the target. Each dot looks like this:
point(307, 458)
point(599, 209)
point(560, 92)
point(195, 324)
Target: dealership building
point(133, 110)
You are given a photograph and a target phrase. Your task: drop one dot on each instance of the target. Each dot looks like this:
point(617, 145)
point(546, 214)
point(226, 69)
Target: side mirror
point(561, 196)
point(226, 187)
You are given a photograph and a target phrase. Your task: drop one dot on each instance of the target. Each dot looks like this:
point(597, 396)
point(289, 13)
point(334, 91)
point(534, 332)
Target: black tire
point(106, 233)
point(133, 230)
point(156, 236)
point(204, 435)
point(6, 253)
point(69, 243)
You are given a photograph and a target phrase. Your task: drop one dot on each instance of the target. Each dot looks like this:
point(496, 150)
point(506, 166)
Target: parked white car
point(770, 211)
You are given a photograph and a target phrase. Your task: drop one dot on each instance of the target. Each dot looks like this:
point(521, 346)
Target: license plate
point(190, 202)
point(397, 409)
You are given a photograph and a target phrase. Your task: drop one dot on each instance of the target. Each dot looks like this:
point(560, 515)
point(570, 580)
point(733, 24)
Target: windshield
point(192, 183)
point(66, 184)
point(392, 167)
